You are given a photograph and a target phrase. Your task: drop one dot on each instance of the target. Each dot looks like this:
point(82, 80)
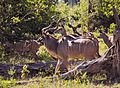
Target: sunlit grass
point(102, 47)
point(60, 83)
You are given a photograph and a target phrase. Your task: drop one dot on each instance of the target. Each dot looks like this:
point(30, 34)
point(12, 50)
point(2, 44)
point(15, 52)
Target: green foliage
point(24, 19)
point(47, 71)
point(11, 72)
point(84, 13)
point(84, 78)
point(79, 12)
point(112, 27)
point(18, 18)
point(103, 47)
point(15, 19)
point(43, 54)
point(7, 83)
point(105, 13)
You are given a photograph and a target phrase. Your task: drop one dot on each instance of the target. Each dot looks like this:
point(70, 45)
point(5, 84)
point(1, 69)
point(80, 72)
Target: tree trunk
point(91, 24)
point(116, 34)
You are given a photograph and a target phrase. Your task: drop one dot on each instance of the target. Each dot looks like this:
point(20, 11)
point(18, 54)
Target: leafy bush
point(77, 13)
point(24, 17)
point(7, 83)
point(43, 54)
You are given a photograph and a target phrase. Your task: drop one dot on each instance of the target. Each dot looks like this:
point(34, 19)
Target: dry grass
point(57, 83)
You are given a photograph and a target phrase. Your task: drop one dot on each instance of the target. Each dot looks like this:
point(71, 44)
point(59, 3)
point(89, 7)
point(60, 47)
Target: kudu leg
point(90, 58)
point(98, 55)
point(66, 63)
point(57, 66)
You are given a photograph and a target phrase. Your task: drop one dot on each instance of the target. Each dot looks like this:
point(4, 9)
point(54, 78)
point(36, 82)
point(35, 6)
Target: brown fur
point(63, 50)
point(24, 47)
point(33, 47)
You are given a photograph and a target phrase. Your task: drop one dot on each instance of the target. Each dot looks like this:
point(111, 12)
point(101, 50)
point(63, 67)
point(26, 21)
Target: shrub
point(43, 54)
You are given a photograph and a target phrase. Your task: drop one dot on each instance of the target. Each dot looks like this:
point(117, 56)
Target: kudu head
point(46, 33)
point(47, 39)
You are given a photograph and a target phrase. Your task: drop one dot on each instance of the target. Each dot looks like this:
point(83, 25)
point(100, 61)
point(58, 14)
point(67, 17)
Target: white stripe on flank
point(69, 43)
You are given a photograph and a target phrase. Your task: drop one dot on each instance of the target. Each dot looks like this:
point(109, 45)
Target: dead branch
point(26, 82)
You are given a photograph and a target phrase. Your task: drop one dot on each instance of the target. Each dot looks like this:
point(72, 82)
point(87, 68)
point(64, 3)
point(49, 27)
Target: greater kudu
point(75, 48)
point(24, 48)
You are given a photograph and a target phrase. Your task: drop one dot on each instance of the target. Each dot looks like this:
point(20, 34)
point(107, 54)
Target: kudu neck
point(51, 43)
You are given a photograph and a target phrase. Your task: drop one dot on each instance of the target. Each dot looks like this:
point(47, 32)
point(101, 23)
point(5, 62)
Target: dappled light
point(59, 43)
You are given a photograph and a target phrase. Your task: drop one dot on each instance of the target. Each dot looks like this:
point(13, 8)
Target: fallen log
point(35, 69)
